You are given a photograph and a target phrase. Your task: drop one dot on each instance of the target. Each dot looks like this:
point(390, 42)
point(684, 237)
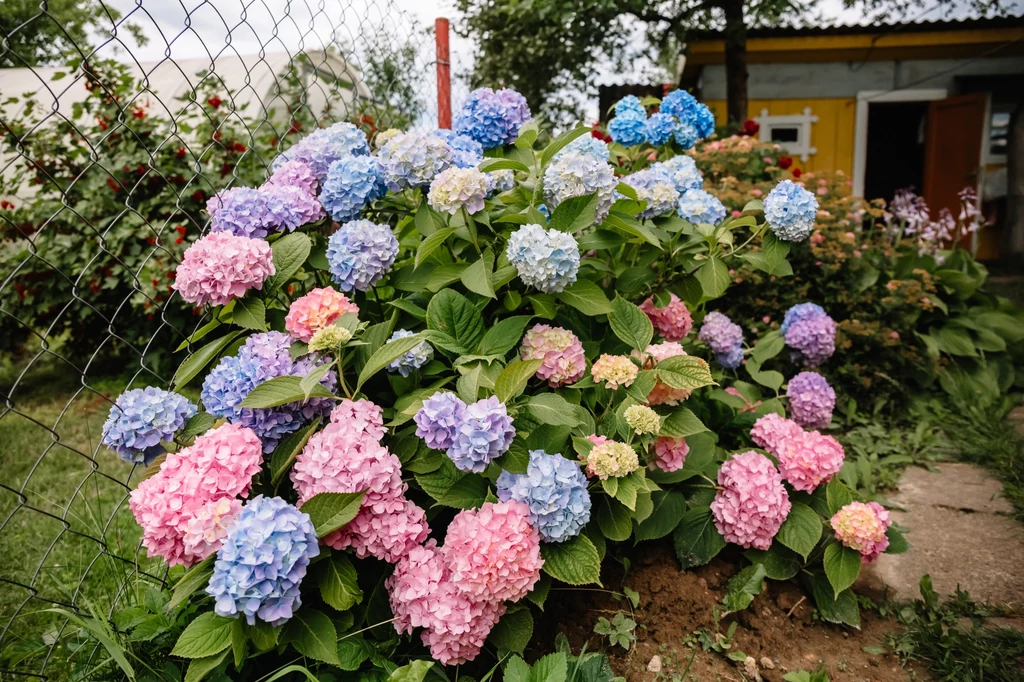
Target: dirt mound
point(779, 630)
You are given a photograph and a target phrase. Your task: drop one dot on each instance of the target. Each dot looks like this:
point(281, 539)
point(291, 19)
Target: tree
point(34, 32)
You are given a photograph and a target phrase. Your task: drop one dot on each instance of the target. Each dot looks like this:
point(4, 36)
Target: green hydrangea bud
point(642, 419)
point(328, 338)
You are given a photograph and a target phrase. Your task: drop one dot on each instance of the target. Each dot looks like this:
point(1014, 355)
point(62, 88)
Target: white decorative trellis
point(801, 122)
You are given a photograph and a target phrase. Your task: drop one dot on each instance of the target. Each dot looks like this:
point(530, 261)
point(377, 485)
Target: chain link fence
point(112, 138)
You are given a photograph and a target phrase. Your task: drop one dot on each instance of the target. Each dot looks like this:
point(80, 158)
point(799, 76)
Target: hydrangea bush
point(416, 419)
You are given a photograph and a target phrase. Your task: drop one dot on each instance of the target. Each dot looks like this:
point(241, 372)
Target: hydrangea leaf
point(630, 324)
point(452, 313)
point(512, 380)
point(713, 277)
point(207, 635)
point(574, 214)
point(385, 355)
point(697, 541)
point(289, 253)
point(198, 361)
point(574, 562)
point(513, 631)
point(669, 508)
point(842, 566)
point(586, 297)
point(331, 511)
point(312, 634)
point(281, 391)
point(801, 530)
point(338, 582)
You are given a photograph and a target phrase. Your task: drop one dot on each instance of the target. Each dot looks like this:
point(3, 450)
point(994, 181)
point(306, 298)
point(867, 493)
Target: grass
point(67, 537)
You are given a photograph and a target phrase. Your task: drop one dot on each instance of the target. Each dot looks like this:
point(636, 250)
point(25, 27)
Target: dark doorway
point(896, 143)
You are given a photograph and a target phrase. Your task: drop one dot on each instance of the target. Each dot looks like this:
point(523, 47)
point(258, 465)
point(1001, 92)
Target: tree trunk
point(1015, 187)
point(735, 61)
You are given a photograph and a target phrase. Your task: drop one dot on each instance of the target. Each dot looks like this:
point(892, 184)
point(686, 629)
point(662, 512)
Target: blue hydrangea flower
point(628, 129)
point(547, 259)
point(359, 254)
point(468, 153)
point(630, 105)
point(143, 417)
point(262, 561)
point(264, 356)
point(492, 118)
point(724, 338)
point(704, 120)
point(697, 206)
point(437, 421)
point(586, 144)
point(686, 135)
point(679, 104)
point(351, 184)
point(659, 128)
point(790, 210)
point(324, 146)
point(500, 181)
point(420, 355)
point(484, 434)
point(555, 490)
point(801, 311)
point(574, 174)
point(413, 159)
point(656, 189)
point(682, 171)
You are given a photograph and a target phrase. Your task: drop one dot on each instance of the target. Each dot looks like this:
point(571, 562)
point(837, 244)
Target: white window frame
point(802, 122)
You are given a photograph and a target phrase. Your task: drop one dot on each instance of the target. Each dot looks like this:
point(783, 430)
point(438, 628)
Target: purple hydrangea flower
point(351, 184)
point(813, 339)
point(492, 118)
point(262, 561)
point(468, 153)
point(408, 362)
point(659, 128)
point(437, 421)
point(291, 207)
point(724, 338)
point(811, 400)
point(485, 433)
point(294, 174)
point(359, 254)
point(141, 419)
point(323, 147)
point(555, 490)
point(241, 211)
point(628, 129)
point(790, 211)
point(801, 311)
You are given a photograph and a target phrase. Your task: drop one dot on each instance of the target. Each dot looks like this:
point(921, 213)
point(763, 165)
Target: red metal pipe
point(444, 75)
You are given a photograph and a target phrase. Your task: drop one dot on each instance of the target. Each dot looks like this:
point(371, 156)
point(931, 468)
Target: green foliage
point(619, 630)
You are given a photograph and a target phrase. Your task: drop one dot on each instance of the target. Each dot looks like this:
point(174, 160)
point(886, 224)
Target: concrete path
point(962, 532)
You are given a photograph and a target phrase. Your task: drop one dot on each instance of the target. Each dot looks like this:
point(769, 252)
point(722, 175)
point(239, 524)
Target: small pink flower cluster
point(670, 453)
point(185, 508)
point(347, 457)
point(560, 353)
point(862, 527)
point(662, 393)
point(806, 458)
point(772, 430)
point(316, 310)
point(221, 266)
point(673, 321)
point(458, 592)
point(754, 503)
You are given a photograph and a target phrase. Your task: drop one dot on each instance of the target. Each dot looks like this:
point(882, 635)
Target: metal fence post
point(444, 74)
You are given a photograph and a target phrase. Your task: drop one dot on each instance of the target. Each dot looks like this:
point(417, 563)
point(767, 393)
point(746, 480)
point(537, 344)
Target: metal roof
point(922, 26)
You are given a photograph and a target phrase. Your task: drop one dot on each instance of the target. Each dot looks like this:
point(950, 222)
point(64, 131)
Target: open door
point(952, 157)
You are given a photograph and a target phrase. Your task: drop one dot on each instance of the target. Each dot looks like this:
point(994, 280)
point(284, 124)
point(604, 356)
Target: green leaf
point(842, 566)
point(197, 362)
point(469, 492)
point(199, 668)
point(697, 541)
point(630, 324)
point(686, 372)
point(287, 450)
point(624, 222)
point(680, 423)
point(250, 313)
point(574, 214)
point(713, 277)
point(504, 336)
point(551, 668)
point(775, 251)
point(779, 563)
point(312, 634)
point(512, 380)
point(478, 277)
point(626, 191)
point(801, 530)
point(574, 562)
point(453, 314)
point(842, 609)
point(837, 494)
point(385, 355)
point(513, 631)
point(669, 508)
point(488, 165)
point(897, 542)
point(743, 587)
point(281, 391)
point(543, 306)
point(551, 408)
point(438, 482)
point(289, 253)
point(309, 382)
point(413, 672)
point(612, 517)
point(527, 135)
point(586, 297)
point(770, 345)
point(195, 578)
point(560, 143)
point(200, 423)
point(207, 635)
point(338, 582)
point(771, 379)
point(953, 340)
point(429, 245)
point(331, 511)
point(352, 651)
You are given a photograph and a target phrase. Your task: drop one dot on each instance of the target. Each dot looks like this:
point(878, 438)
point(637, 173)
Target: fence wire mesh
point(112, 139)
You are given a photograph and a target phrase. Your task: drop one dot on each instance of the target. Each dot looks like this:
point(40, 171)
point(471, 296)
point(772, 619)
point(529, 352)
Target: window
point(792, 131)
point(780, 134)
point(999, 133)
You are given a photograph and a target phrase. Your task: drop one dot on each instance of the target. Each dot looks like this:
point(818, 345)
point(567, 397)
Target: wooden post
point(444, 75)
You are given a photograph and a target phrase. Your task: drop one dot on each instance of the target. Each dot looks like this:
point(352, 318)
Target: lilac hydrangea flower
point(467, 152)
point(801, 311)
point(240, 211)
point(359, 254)
point(294, 174)
point(697, 206)
point(262, 561)
point(555, 490)
point(659, 128)
point(324, 146)
point(811, 400)
point(724, 338)
point(288, 208)
point(682, 171)
point(485, 433)
point(586, 144)
point(628, 129)
point(547, 259)
point(413, 159)
point(790, 210)
point(492, 118)
point(813, 339)
point(143, 417)
point(408, 362)
point(351, 184)
point(437, 421)
point(656, 189)
point(574, 174)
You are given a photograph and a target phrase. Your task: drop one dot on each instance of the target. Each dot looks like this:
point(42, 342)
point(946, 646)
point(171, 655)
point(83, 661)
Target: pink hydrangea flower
point(493, 552)
point(387, 529)
point(771, 431)
point(209, 526)
point(670, 453)
point(862, 527)
point(809, 459)
point(560, 353)
point(673, 321)
point(753, 504)
point(219, 465)
point(316, 310)
point(360, 416)
point(662, 393)
point(220, 266)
